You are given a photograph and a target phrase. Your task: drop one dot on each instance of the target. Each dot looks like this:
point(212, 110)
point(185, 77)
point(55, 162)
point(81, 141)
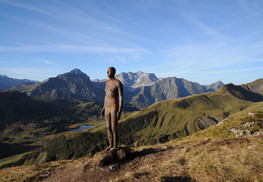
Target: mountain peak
point(219, 82)
point(76, 71)
point(140, 72)
point(74, 74)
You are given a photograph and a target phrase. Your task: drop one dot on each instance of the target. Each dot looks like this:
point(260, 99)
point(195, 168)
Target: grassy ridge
point(178, 118)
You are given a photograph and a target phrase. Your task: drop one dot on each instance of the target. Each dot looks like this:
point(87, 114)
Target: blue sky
point(200, 40)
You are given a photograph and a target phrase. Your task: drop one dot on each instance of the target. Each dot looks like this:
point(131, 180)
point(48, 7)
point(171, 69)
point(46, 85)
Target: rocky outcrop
point(205, 121)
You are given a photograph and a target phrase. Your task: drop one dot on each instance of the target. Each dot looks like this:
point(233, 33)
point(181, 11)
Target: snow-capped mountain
point(138, 79)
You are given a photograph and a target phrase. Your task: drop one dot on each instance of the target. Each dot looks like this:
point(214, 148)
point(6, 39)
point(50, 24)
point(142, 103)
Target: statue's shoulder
point(118, 82)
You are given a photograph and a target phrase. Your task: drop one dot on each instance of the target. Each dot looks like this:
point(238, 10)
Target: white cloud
point(28, 7)
point(29, 73)
point(63, 21)
point(9, 62)
point(47, 62)
point(118, 59)
point(251, 8)
point(74, 49)
point(207, 59)
point(234, 70)
point(210, 33)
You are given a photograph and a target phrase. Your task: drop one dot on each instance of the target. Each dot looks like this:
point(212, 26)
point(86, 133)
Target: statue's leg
point(109, 131)
point(114, 127)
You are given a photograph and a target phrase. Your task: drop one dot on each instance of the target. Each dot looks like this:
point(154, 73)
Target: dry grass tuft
point(228, 159)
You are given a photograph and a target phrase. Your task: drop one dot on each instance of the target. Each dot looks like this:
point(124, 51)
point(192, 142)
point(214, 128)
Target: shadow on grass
point(177, 179)
point(124, 155)
point(142, 153)
point(14, 149)
point(139, 175)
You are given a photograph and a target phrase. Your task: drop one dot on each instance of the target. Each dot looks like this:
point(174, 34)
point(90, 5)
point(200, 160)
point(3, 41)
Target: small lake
point(82, 127)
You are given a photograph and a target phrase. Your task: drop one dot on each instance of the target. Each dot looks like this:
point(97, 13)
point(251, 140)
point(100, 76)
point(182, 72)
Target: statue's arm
point(120, 93)
point(103, 109)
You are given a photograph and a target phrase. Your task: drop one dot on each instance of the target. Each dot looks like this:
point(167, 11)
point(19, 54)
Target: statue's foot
point(113, 149)
point(108, 148)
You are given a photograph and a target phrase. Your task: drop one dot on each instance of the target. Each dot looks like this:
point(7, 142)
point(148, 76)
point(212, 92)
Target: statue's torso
point(111, 97)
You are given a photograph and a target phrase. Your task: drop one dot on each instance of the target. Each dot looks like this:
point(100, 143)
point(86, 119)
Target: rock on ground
point(106, 158)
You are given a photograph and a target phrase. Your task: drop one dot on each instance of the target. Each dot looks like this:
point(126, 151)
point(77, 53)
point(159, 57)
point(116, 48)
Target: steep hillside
point(256, 86)
point(242, 93)
point(161, 122)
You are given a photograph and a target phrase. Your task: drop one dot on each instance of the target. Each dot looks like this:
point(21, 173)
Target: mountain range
point(140, 89)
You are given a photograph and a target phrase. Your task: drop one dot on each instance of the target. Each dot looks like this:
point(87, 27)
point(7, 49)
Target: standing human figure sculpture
point(112, 108)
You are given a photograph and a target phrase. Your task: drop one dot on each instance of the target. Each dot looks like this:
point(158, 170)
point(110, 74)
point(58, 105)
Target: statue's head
point(111, 72)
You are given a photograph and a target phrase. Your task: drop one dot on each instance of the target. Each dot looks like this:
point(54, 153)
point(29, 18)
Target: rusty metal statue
point(112, 108)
